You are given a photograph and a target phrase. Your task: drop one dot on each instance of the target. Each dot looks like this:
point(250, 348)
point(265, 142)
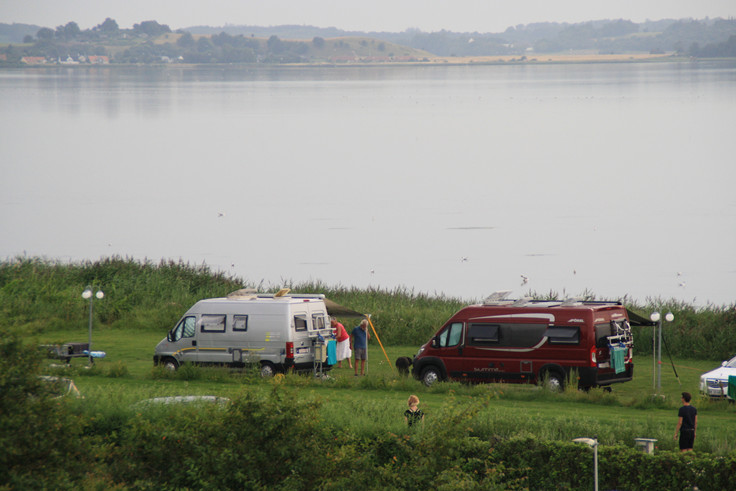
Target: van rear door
point(300, 336)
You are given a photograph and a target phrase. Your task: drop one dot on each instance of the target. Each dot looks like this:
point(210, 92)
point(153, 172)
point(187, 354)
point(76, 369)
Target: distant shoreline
point(502, 60)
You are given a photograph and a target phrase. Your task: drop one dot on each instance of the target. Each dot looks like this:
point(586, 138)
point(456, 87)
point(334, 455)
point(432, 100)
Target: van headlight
point(420, 351)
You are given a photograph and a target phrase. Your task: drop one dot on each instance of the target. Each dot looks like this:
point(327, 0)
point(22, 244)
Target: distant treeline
point(41, 296)
point(147, 42)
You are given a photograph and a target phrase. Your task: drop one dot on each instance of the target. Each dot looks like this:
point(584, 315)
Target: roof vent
point(522, 302)
point(569, 302)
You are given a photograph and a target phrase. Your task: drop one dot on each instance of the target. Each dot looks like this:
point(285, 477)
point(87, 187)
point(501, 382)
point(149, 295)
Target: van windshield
point(451, 335)
point(185, 329)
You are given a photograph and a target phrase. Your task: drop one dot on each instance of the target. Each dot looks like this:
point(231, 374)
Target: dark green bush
point(40, 439)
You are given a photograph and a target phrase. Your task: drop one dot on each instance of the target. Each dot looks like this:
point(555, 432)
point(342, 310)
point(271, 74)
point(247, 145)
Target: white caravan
point(278, 331)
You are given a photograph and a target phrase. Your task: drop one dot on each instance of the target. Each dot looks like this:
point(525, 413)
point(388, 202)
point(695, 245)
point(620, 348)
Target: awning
point(637, 320)
point(338, 310)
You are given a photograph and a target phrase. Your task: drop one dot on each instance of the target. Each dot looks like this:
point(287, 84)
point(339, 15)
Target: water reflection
point(460, 180)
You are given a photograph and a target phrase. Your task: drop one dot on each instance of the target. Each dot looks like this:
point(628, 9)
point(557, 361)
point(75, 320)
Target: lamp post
point(656, 317)
point(592, 442)
point(87, 295)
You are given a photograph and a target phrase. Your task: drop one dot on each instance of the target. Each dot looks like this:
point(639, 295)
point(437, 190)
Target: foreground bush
point(281, 440)
point(41, 443)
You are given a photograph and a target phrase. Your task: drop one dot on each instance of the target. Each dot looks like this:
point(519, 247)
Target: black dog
point(403, 363)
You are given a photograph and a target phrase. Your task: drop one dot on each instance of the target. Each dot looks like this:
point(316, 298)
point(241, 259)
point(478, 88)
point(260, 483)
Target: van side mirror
point(724, 363)
point(435, 342)
point(170, 337)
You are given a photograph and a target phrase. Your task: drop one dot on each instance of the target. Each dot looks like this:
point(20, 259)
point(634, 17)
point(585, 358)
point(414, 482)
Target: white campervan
point(278, 331)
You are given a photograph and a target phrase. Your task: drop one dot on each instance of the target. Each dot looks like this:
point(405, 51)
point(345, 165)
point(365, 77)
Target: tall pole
point(595, 464)
point(656, 320)
point(87, 294)
point(89, 339)
point(654, 357)
point(659, 357)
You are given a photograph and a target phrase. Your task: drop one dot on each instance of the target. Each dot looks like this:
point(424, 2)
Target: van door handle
point(194, 343)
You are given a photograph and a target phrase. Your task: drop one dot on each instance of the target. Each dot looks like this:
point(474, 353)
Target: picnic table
point(67, 351)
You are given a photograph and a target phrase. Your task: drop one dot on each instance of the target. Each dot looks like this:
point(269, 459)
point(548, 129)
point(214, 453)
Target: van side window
point(563, 335)
point(185, 329)
point(483, 334)
point(240, 323)
point(451, 335)
point(521, 335)
point(318, 321)
point(300, 322)
point(212, 323)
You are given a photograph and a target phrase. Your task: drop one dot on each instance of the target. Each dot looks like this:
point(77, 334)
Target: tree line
point(151, 42)
point(143, 44)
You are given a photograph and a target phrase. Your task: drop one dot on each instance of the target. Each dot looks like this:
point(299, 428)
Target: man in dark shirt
point(687, 423)
point(360, 345)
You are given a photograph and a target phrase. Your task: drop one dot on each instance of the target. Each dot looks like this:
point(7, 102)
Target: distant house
point(99, 60)
point(343, 59)
point(376, 59)
point(33, 60)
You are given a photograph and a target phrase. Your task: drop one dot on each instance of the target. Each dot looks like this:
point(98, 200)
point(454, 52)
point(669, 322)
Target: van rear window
point(300, 322)
point(212, 323)
point(563, 335)
point(318, 321)
point(602, 331)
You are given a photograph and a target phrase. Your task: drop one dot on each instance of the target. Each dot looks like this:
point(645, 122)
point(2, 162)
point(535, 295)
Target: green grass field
point(375, 403)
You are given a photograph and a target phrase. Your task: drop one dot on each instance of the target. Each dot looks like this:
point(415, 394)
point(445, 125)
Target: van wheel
point(430, 375)
point(170, 364)
point(554, 381)
point(267, 369)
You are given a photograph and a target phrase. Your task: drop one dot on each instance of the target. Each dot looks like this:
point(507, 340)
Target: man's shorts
point(687, 439)
point(360, 353)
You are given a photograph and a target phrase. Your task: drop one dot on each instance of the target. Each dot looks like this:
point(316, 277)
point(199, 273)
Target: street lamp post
point(592, 442)
point(656, 317)
point(87, 295)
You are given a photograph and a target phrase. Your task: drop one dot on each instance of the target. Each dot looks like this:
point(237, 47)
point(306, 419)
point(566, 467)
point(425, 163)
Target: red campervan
point(531, 341)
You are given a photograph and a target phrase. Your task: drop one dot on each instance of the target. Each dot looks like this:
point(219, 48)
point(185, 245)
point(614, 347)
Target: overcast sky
point(374, 15)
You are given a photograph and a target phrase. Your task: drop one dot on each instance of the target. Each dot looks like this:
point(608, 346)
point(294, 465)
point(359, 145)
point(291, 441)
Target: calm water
point(458, 180)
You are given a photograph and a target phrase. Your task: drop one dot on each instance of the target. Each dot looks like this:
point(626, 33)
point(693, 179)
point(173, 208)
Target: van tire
point(267, 369)
point(431, 375)
point(553, 380)
point(170, 364)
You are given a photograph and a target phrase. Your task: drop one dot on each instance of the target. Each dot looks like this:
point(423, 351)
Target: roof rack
point(250, 293)
point(500, 298)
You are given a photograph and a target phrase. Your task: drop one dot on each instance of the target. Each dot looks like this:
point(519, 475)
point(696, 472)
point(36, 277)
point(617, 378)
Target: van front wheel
point(170, 364)
point(267, 369)
point(430, 375)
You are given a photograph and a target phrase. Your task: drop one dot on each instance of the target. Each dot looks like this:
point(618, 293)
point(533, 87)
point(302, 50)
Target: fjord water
point(462, 180)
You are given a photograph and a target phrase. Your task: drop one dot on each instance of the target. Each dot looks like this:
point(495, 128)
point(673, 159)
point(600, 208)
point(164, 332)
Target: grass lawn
point(375, 403)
